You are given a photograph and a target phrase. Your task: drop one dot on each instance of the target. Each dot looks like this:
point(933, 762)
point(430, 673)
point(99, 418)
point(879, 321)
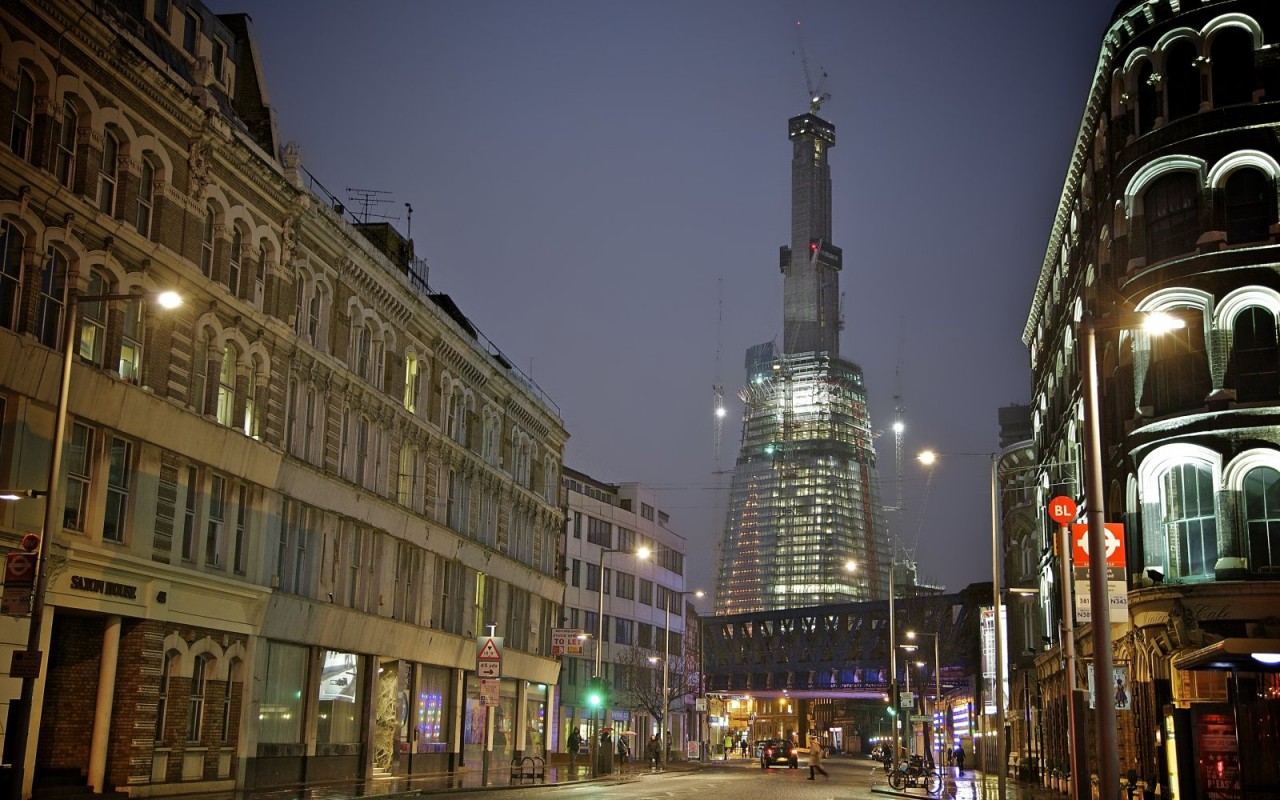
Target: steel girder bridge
point(842, 650)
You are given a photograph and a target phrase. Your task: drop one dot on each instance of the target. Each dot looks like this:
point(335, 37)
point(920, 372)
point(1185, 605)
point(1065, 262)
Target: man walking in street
point(574, 744)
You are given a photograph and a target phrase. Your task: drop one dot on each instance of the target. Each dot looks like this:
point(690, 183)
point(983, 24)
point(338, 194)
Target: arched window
point(259, 273)
point(1148, 99)
point(252, 421)
point(131, 343)
point(1178, 378)
point(454, 421)
point(206, 242)
point(411, 381)
point(361, 475)
point(1231, 58)
point(407, 486)
point(228, 698)
point(146, 189)
point(233, 262)
point(64, 160)
point(1249, 206)
point(311, 444)
point(1254, 359)
point(1188, 518)
point(315, 310)
point(53, 295)
point(162, 697)
point(1183, 84)
point(200, 373)
point(195, 700)
point(364, 346)
point(12, 243)
point(227, 386)
point(1261, 488)
point(1172, 210)
point(24, 115)
point(93, 323)
point(108, 169)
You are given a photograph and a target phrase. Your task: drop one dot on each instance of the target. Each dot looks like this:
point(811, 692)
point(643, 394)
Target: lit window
point(131, 343)
point(227, 386)
point(93, 323)
point(1188, 519)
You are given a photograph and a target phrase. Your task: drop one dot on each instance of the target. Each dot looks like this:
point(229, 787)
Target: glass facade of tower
point(804, 499)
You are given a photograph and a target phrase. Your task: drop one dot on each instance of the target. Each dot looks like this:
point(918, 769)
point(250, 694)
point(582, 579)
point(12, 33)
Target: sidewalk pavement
point(972, 785)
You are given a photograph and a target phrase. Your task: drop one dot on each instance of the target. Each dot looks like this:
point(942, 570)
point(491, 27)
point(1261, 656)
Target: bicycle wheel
point(932, 783)
point(895, 778)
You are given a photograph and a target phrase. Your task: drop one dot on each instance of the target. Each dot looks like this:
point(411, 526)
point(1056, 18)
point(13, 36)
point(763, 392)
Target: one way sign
point(489, 656)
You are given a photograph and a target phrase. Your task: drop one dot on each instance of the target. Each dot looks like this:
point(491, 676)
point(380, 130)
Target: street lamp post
point(893, 660)
point(642, 553)
point(24, 750)
point(927, 458)
point(666, 670)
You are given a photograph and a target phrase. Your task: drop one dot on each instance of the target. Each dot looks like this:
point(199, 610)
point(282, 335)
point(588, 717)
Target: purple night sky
point(602, 187)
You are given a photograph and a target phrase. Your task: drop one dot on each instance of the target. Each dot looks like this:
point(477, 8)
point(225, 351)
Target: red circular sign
point(1062, 509)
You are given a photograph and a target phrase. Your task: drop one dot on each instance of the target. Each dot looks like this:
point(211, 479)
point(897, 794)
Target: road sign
point(907, 700)
point(489, 693)
point(919, 718)
point(1062, 509)
point(19, 569)
point(1113, 536)
point(25, 664)
point(489, 656)
point(15, 601)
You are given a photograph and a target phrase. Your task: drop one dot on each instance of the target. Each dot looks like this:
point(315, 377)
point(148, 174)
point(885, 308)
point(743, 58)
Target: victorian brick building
point(1170, 204)
point(288, 507)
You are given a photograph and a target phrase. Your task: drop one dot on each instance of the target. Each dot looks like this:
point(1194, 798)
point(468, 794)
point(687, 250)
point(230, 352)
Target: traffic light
point(597, 693)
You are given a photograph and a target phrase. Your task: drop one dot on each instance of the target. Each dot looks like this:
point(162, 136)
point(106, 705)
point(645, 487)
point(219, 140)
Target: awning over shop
point(1245, 654)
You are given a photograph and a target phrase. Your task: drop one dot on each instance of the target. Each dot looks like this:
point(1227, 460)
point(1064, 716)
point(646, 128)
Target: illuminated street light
point(937, 685)
point(1153, 323)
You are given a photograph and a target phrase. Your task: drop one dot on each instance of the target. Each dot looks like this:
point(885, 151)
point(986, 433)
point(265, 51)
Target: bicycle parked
point(913, 773)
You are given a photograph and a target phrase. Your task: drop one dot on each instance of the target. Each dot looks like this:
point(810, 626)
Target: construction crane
point(717, 389)
point(816, 96)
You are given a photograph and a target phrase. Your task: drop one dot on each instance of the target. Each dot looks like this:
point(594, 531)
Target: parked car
point(779, 751)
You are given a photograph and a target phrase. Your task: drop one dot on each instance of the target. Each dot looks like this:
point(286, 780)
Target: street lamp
point(928, 458)
point(24, 753)
point(666, 670)
point(642, 554)
point(1100, 607)
point(937, 686)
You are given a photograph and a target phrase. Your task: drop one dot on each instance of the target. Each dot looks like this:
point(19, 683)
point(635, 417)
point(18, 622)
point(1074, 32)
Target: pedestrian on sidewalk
point(728, 745)
point(574, 744)
point(655, 750)
point(960, 759)
point(815, 759)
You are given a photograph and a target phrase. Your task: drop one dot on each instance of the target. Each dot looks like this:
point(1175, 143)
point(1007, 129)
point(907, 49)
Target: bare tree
point(640, 684)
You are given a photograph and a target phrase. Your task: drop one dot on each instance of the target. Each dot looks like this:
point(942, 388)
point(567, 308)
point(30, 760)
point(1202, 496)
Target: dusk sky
point(602, 187)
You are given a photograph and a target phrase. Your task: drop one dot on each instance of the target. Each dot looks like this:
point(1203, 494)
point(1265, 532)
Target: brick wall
point(71, 690)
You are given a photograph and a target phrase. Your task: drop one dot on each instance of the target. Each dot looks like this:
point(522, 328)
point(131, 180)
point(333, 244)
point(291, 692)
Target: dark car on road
point(778, 751)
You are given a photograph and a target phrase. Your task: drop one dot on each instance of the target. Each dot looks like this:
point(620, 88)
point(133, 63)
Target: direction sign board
point(489, 692)
point(489, 656)
point(15, 601)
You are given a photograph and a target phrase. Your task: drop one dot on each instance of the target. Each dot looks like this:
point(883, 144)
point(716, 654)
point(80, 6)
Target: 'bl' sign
point(1062, 510)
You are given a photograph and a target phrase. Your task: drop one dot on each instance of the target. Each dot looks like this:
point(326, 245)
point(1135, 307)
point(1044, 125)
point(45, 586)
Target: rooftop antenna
point(816, 96)
point(367, 200)
point(408, 225)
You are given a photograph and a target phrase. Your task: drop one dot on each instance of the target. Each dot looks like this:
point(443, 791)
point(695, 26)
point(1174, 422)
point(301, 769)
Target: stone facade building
point(288, 507)
point(1170, 204)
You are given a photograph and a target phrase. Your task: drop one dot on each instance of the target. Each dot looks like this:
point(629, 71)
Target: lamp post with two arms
point(642, 554)
point(937, 690)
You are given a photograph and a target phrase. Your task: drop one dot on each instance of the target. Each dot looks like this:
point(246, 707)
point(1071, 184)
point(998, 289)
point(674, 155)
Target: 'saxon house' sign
point(79, 583)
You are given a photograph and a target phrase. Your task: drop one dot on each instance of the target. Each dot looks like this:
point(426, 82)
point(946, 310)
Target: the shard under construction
point(804, 502)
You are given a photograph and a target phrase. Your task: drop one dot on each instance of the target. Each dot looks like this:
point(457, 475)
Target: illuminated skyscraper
point(804, 503)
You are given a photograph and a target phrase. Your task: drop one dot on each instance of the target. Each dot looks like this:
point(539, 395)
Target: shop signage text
point(82, 584)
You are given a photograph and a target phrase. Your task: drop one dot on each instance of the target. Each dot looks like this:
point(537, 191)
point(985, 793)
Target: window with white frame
point(312, 446)
point(162, 697)
point(206, 241)
point(119, 469)
point(407, 485)
point(160, 13)
point(233, 260)
point(227, 386)
point(228, 694)
point(12, 243)
point(217, 59)
point(1171, 206)
point(79, 459)
point(64, 159)
point(190, 32)
point(108, 171)
point(131, 342)
point(410, 381)
point(195, 700)
point(454, 420)
point(24, 115)
point(53, 295)
point(215, 525)
point(252, 419)
point(259, 273)
point(1188, 519)
point(146, 192)
point(315, 311)
point(1261, 490)
point(189, 510)
point(240, 544)
point(93, 323)
point(361, 475)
